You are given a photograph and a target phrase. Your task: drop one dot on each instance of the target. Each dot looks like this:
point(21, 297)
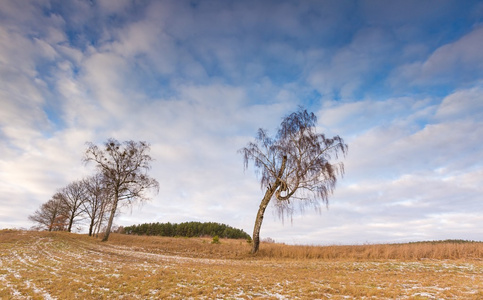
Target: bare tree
point(294, 165)
point(105, 207)
point(73, 196)
point(97, 198)
point(52, 215)
point(124, 167)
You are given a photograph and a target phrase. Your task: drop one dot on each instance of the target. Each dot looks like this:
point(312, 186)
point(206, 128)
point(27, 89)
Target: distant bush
point(445, 242)
point(187, 229)
point(216, 240)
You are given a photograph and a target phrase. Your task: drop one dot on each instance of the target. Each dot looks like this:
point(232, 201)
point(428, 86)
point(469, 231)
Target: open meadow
point(42, 265)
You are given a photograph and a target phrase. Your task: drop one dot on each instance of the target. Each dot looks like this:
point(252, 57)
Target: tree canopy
point(187, 229)
point(124, 167)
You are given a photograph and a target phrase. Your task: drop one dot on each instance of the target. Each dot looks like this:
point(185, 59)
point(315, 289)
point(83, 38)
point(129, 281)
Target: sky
point(400, 81)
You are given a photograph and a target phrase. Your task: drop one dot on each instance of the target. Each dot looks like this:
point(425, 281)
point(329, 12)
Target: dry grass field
point(41, 265)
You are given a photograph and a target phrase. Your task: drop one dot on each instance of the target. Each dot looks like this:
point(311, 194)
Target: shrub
point(216, 240)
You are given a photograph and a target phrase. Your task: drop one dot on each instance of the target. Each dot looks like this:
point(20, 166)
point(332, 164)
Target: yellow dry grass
point(41, 265)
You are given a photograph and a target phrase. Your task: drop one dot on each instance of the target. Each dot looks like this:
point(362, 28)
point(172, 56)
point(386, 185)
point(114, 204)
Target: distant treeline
point(445, 242)
point(187, 229)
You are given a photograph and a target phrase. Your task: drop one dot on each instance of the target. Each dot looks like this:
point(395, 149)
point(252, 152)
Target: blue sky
point(400, 81)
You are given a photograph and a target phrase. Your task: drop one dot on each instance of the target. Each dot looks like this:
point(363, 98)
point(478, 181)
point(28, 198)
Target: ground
point(40, 265)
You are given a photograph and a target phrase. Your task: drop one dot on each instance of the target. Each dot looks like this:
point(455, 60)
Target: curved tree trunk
point(259, 219)
point(263, 206)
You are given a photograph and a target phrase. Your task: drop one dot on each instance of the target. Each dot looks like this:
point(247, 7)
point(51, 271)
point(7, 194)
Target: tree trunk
point(100, 218)
point(52, 220)
point(259, 219)
point(111, 219)
point(71, 221)
point(91, 226)
point(263, 206)
point(98, 227)
point(51, 225)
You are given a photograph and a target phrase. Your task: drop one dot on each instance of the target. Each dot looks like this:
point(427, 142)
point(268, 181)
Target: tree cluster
point(87, 199)
point(121, 177)
point(187, 229)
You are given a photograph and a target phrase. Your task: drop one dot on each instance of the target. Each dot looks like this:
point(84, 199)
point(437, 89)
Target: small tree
point(106, 205)
point(52, 215)
point(124, 168)
point(97, 198)
point(73, 196)
point(294, 165)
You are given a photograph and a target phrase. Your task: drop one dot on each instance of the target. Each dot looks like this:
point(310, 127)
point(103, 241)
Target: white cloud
point(21, 93)
point(343, 72)
point(458, 62)
point(356, 117)
point(462, 55)
point(31, 176)
point(461, 105)
point(400, 135)
point(113, 7)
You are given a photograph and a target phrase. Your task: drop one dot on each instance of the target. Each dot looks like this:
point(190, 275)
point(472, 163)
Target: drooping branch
point(296, 164)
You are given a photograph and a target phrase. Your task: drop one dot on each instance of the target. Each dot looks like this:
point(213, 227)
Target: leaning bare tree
point(295, 164)
point(124, 167)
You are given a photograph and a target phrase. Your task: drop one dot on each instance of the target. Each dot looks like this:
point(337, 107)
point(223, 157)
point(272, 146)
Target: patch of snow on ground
point(429, 295)
point(15, 292)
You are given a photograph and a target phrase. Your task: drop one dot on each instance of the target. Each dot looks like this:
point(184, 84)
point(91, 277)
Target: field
point(42, 265)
